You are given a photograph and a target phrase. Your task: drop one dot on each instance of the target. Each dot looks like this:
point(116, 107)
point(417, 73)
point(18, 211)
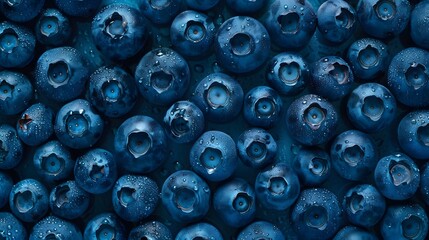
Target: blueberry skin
point(162, 12)
point(336, 20)
point(6, 185)
point(185, 196)
point(234, 203)
point(312, 165)
point(418, 32)
point(184, 122)
point(262, 107)
point(119, 31)
point(17, 45)
point(242, 44)
point(112, 91)
point(214, 156)
point(53, 227)
point(364, 205)
point(53, 28)
point(77, 125)
point(53, 162)
point(354, 155)
point(381, 23)
point(152, 230)
point(202, 5)
point(424, 183)
point(405, 222)
point(61, 74)
point(368, 58)
point(260, 230)
point(287, 73)
point(140, 144)
point(311, 120)
point(192, 34)
point(95, 171)
point(29, 200)
point(67, 200)
point(277, 187)
point(78, 8)
point(371, 107)
point(16, 92)
point(353, 233)
point(291, 28)
point(245, 7)
point(11, 149)
point(414, 126)
point(408, 77)
point(397, 177)
point(162, 76)
point(21, 11)
point(219, 96)
point(256, 148)
point(36, 124)
point(11, 228)
point(317, 214)
point(331, 78)
point(135, 197)
point(103, 226)
point(199, 231)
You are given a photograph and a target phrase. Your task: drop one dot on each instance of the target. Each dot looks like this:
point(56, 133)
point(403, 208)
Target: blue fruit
point(78, 8)
point(418, 18)
point(262, 107)
point(312, 165)
point(413, 130)
point(424, 183)
point(140, 144)
point(22, 10)
point(68, 200)
point(199, 231)
point(6, 185)
point(53, 28)
point(17, 45)
point(162, 12)
point(53, 227)
point(256, 148)
point(152, 230)
point(245, 7)
point(202, 5)
point(260, 230)
point(105, 226)
point(11, 228)
point(36, 124)
point(16, 92)
point(11, 149)
point(353, 233)
point(405, 222)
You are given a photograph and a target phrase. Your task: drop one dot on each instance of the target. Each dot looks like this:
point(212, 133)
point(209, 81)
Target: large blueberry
point(262, 107)
point(413, 134)
point(16, 92)
point(256, 148)
point(68, 200)
point(418, 22)
point(161, 12)
point(17, 45)
point(53, 28)
point(53, 227)
point(36, 124)
point(312, 165)
point(11, 228)
point(405, 222)
point(105, 226)
point(6, 184)
point(11, 149)
point(21, 10)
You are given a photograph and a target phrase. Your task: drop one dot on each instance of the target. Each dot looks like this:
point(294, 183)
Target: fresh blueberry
point(219, 96)
point(184, 122)
point(185, 196)
point(245, 7)
point(95, 171)
point(6, 185)
point(11, 228)
point(214, 156)
point(53, 227)
point(140, 144)
point(242, 44)
point(202, 5)
point(68, 200)
point(262, 107)
point(21, 10)
point(105, 226)
point(53, 28)
point(261, 230)
point(77, 125)
point(112, 91)
point(234, 203)
point(11, 149)
point(162, 12)
point(424, 183)
point(312, 165)
point(162, 76)
point(317, 214)
point(36, 124)
point(311, 120)
point(16, 92)
point(256, 148)
point(61, 74)
point(152, 230)
point(17, 45)
point(78, 8)
point(277, 187)
point(199, 231)
point(354, 233)
point(29, 200)
point(413, 134)
point(418, 20)
point(405, 222)
point(397, 177)
point(364, 205)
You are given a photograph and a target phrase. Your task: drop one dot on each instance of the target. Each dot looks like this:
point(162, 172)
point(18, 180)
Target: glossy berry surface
point(18, 11)
point(405, 222)
point(352, 232)
point(77, 8)
point(424, 183)
point(53, 227)
point(17, 45)
point(418, 32)
point(11, 149)
point(261, 229)
point(11, 228)
point(53, 28)
point(36, 124)
point(151, 230)
point(199, 230)
point(256, 148)
point(162, 12)
point(105, 226)
point(68, 200)
point(312, 165)
point(6, 184)
point(262, 107)
point(16, 92)
point(412, 134)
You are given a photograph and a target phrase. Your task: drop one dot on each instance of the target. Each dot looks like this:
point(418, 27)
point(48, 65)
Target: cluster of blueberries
point(204, 119)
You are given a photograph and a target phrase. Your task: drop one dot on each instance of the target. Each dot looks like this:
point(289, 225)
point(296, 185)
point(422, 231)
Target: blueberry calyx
point(289, 22)
point(416, 76)
point(8, 40)
point(6, 90)
point(59, 73)
point(139, 143)
point(115, 26)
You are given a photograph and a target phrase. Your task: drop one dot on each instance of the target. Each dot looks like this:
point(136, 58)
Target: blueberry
point(11, 228)
point(77, 125)
point(28, 200)
point(53, 28)
point(312, 165)
point(364, 205)
point(242, 44)
point(67, 200)
point(17, 45)
point(53, 227)
point(162, 76)
point(22, 10)
point(397, 176)
point(219, 96)
point(11, 149)
point(245, 7)
point(311, 120)
point(261, 230)
point(95, 171)
point(199, 231)
point(214, 156)
point(135, 197)
point(152, 230)
point(185, 196)
point(353, 233)
point(424, 183)
point(119, 31)
point(262, 107)
point(36, 124)
point(61, 74)
point(291, 23)
point(256, 148)
point(140, 144)
point(78, 8)
point(317, 214)
point(162, 12)
point(6, 185)
point(405, 222)
point(419, 33)
point(16, 92)
point(105, 226)
point(112, 91)
point(383, 18)
point(277, 187)
point(202, 5)
point(184, 122)
point(413, 134)
point(234, 203)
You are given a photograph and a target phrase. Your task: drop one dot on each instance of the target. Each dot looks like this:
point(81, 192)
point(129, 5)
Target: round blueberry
point(261, 230)
point(78, 8)
point(53, 227)
point(353, 233)
point(245, 6)
point(202, 5)
point(11, 228)
point(16, 92)
point(418, 20)
point(152, 230)
point(405, 222)
point(36, 124)
point(424, 183)
point(6, 185)
point(199, 231)
point(11, 149)
point(312, 165)
point(17, 45)
point(21, 10)
point(105, 226)
point(262, 107)
point(162, 12)
point(256, 148)
point(68, 200)
point(53, 28)
point(413, 134)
